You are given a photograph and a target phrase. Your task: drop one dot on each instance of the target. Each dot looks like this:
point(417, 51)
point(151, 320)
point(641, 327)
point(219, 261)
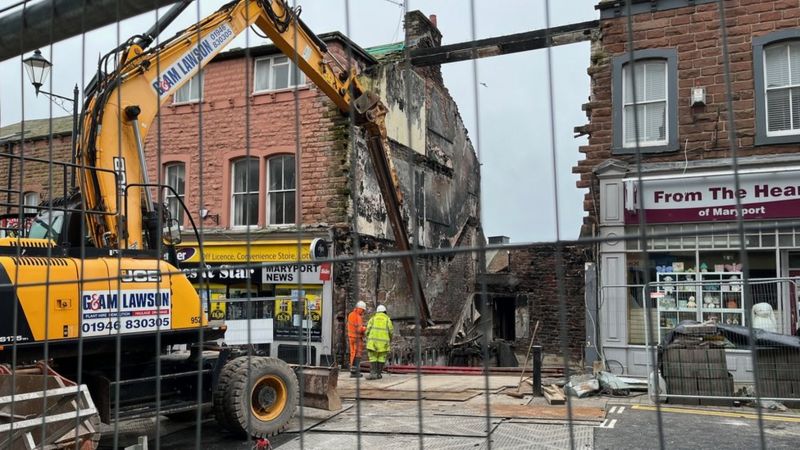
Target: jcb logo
point(122, 177)
point(140, 275)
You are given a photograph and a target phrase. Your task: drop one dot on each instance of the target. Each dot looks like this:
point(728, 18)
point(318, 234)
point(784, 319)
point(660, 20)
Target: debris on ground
point(582, 386)
point(611, 384)
point(772, 405)
point(554, 395)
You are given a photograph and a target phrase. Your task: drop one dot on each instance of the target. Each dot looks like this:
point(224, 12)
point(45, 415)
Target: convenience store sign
point(712, 197)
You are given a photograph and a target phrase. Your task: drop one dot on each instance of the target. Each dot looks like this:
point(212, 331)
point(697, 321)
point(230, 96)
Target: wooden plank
point(554, 395)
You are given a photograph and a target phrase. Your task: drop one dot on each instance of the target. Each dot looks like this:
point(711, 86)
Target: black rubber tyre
point(226, 377)
point(261, 398)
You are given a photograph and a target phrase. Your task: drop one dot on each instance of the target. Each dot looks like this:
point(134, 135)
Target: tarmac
point(402, 411)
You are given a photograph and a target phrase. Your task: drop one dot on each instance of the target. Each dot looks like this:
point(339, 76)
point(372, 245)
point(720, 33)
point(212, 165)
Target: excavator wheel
point(227, 375)
point(256, 399)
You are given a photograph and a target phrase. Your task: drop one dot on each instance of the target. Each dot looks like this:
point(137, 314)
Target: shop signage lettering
point(239, 253)
point(186, 65)
point(223, 272)
point(292, 273)
point(125, 311)
point(762, 195)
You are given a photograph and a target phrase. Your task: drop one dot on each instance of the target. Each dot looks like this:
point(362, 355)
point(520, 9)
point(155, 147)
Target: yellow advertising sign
point(217, 311)
point(283, 310)
point(313, 307)
point(258, 251)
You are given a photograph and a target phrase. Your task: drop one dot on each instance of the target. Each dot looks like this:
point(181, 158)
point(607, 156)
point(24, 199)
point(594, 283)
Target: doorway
point(504, 318)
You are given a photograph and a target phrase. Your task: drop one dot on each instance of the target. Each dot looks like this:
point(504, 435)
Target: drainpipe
point(10, 152)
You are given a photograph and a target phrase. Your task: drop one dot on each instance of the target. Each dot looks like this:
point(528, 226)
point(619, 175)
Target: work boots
point(355, 369)
point(374, 374)
point(380, 370)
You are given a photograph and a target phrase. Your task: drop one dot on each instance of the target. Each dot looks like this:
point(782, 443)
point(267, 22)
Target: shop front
point(268, 297)
point(690, 264)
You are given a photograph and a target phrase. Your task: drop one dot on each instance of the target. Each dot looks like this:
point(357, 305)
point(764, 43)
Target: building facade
point(687, 129)
point(279, 166)
point(28, 179)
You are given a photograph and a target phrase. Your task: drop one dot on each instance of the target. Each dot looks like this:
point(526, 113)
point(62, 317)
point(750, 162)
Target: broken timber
point(513, 43)
point(554, 395)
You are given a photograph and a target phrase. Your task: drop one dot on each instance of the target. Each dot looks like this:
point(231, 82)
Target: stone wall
point(547, 283)
point(694, 31)
point(42, 142)
point(231, 123)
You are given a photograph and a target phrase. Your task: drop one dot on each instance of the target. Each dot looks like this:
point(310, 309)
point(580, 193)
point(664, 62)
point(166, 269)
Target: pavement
point(450, 412)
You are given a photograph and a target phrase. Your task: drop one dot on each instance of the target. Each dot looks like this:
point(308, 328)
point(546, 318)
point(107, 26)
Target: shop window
point(244, 195)
point(644, 101)
point(175, 175)
point(190, 92)
point(776, 75)
point(282, 185)
point(276, 73)
point(298, 308)
point(639, 298)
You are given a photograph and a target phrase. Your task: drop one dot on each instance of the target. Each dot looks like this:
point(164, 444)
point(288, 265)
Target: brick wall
point(40, 177)
point(234, 123)
point(539, 275)
point(694, 31)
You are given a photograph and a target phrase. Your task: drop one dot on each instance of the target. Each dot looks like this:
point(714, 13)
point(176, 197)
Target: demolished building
point(259, 125)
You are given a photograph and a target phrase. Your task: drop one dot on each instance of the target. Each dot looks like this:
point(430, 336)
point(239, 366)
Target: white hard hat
point(361, 305)
point(381, 308)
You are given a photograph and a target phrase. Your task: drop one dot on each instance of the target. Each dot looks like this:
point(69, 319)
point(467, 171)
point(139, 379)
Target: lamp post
point(38, 69)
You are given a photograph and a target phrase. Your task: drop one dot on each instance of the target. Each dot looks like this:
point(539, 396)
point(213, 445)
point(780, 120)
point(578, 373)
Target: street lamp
point(38, 68)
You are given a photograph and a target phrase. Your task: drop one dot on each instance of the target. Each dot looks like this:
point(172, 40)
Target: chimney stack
point(432, 18)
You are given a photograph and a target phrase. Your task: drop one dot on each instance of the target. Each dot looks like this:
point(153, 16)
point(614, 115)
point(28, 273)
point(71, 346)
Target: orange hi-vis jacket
point(355, 324)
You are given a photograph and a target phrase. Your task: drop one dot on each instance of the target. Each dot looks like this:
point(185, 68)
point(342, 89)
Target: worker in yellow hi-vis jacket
point(379, 336)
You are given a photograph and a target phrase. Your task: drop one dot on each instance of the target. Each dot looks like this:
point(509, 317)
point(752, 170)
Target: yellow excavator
point(89, 302)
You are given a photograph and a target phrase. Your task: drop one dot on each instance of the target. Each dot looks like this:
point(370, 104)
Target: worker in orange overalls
point(355, 335)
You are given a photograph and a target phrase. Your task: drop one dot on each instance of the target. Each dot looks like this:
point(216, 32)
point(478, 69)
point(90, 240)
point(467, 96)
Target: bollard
point(537, 370)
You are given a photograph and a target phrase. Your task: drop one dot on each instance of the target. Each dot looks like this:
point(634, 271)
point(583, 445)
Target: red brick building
point(679, 120)
point(38, 141)
point(239, 133)
point(265, 163)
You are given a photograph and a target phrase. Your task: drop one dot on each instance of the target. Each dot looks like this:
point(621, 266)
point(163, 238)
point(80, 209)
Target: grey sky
point(518, 195)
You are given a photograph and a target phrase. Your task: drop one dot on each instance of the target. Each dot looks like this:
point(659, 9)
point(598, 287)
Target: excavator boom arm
point(120, 109)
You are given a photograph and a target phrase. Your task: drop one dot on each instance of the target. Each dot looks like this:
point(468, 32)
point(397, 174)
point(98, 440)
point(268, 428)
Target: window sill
point(244, 227)
point(669, 147)
point(282, 226)
point(302, 88)
point(761, 139)
point(189, 103)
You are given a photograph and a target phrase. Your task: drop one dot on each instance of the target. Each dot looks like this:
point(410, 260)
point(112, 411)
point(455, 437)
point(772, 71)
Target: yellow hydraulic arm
point(121, 106)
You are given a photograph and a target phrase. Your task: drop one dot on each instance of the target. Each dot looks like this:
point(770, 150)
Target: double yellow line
point(702, 412)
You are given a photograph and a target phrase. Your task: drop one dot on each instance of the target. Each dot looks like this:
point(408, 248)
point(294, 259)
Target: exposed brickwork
point(540, 274)
point(312, 127)
point(695, 32)
point(45, 179)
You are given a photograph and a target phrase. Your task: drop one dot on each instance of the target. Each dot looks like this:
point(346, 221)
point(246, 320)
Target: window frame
point(169, 194)
point(26, 206)
point(670, 56)
point(187, 85)
point(762, 135)
point(289, 87)
point(233, 193)
point(269, 191)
